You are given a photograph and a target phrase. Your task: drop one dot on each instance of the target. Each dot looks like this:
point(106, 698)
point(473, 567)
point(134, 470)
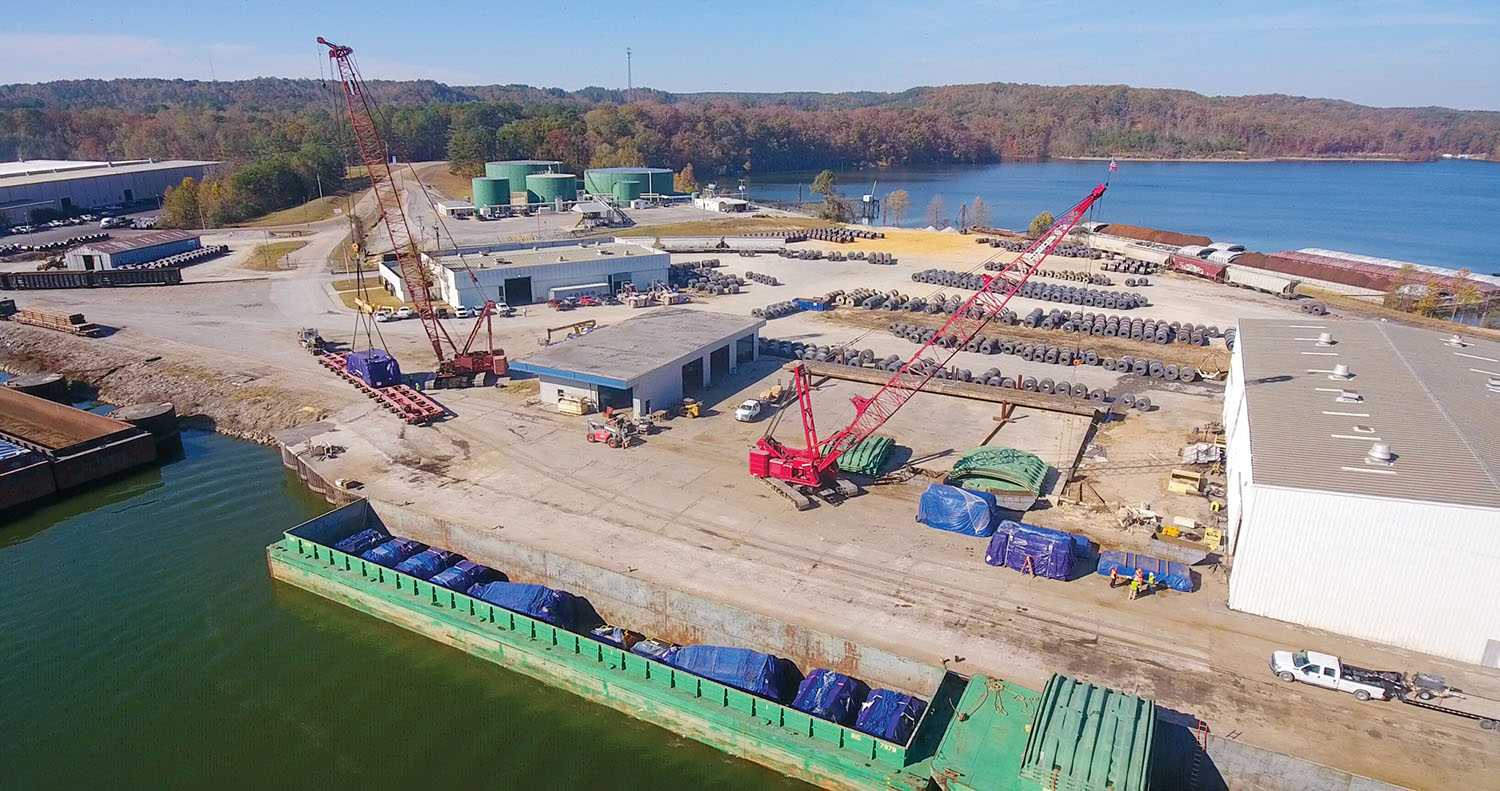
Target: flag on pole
point(1113, 166)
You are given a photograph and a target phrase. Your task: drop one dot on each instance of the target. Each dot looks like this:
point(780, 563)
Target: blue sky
point(1376, 52)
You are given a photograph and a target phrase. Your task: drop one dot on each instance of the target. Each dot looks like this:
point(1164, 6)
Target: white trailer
point(1261, 280)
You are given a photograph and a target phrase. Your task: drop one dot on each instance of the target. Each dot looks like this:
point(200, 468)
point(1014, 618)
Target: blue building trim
point(559, 373)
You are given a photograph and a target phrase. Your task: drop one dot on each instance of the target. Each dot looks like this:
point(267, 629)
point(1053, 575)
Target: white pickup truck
point(1325, 670)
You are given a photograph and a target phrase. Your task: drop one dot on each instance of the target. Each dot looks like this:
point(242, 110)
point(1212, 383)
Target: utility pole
point(629, 79)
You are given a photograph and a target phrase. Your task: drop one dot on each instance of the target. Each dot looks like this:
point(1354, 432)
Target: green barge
point(977, 733)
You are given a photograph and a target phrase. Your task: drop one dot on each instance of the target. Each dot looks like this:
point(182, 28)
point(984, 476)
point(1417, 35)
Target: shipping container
point(1261, 280)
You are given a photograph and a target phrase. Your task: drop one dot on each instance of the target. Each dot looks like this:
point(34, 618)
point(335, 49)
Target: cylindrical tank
point(627, 191)
point(490, 192)
point(53, 387)
point(516, 170)
point(549, 187)
point(158, 419)
point(601, 181)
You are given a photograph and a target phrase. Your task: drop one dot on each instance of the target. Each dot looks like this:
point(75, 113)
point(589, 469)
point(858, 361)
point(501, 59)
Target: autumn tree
point(836, 208)
point(1040, 224)
point(895, 204)
point(1427, 304)
point(979, 213)
point(685, 180)
point(937, 212)
point(179, 206)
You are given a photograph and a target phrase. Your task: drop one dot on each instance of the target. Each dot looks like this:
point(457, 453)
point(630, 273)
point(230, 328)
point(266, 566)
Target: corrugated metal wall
point(1415, 575)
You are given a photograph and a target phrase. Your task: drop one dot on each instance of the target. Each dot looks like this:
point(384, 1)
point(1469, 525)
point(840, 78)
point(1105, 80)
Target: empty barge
point(977, 733)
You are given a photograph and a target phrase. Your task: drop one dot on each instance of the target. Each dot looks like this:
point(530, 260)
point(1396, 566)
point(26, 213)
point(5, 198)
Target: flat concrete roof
point(547, 256)
point(99, 171)
point(620, 354)
point(1429, 401)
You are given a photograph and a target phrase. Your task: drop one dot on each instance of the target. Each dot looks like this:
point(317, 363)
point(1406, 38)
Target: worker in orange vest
point(1114, 577)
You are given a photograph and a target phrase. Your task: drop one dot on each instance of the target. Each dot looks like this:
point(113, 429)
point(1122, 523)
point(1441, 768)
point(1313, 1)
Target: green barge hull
point(814, 750)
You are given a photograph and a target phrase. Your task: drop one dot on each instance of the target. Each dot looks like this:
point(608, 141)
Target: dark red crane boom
point(810, 466)
point(459, 368)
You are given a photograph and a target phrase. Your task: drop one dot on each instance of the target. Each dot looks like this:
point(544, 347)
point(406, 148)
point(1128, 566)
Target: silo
point(661, 181)
point(516, 171)
point(491, 192)
point(549, 187)
point(627, 191)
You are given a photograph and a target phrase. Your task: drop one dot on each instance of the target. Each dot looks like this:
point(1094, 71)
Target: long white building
point(1364, 483)
point(523, 275)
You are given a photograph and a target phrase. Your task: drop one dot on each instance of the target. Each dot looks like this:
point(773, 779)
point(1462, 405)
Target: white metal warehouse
point(648, 362)
point(70, 185)
point(1364, 482)
point(526, 275)
point(140, 249)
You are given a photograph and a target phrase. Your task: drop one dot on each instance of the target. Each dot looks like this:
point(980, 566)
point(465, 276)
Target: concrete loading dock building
point(116, 253)
point(527, 275)
point(1363, 482)
point(648, 362)
point(68, 186)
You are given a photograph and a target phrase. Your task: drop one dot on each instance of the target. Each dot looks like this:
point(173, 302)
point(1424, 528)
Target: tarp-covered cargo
point(362, 542)
point(994, 554)
point(890, 715)
point(868, 457)
point(1170, 573)
point(537, 601)
point(1045, 554)
point(425, 564)
point(1080, 542)
point(957, 510)
point(741, 668)
point(374, 366)
point(1015, 477)
point(616, 636)
point(660, 650)
point(460, 576)
point(831, 696)
point(394, 551)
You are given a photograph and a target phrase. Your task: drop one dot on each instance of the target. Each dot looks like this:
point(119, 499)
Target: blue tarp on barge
point(461, 575)
point(424, 565)
point(831, 696)
point(542, 603)
point(890, 715)
point(741, 668)
point(394, 551)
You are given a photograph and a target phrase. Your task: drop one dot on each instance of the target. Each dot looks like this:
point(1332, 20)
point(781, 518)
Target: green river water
point(144, 645)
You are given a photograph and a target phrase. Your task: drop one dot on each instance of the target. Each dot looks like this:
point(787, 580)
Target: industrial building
point(1363, 482)
point(454, 208)
point(66, 186)
point(627, 184)
point(722, 205)
point(1363, 274)
point(648, 362)
point(525, 274)
point(142, 249)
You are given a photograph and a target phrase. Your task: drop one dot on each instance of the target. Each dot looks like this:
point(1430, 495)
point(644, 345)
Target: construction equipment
point(456, 366)
point(812, 467)
point(309, 339)
point(690, 408)
point(616, 434)
point(574, 330)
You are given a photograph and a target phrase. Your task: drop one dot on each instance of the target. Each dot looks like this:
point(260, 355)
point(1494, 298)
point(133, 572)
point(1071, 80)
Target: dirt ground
point(679, 509)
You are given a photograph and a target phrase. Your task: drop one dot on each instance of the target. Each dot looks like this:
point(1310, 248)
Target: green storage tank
point(490, 192)
point(516, 170)
point(549, 187)
point(627, 191)
point(601, 181)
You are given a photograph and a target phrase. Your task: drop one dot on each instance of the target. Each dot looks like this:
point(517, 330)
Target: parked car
point(404, 312)
point(461, 312)
point(502, 309)
point(588, 301)
point(748, 411)
point(384, 314)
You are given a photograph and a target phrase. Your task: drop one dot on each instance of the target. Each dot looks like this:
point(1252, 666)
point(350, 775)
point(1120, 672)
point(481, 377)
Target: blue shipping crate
point(958, 510)
point(374, 367)
point(1168, 572)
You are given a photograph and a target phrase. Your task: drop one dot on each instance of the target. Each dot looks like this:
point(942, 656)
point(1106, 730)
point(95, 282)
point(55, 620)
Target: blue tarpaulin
point(994, 554)
point(890, 715)
point(615, 636)
point(741, 668)
point(1050, 552)
point(374, 366)
point(1170, 573)
point(362, 542)
point(957, 510)
point(1080, 542)
point(394, 551)
point(542, 603)
point(460, 576)
point(425, 564)
point(831, 696)
point(659, 650)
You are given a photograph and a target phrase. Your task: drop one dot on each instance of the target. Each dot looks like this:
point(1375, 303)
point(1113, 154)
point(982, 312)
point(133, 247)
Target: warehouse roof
point(11, 179)
point(139, 242)
point(1429, 400)
point(620, 354)
point(545, 256)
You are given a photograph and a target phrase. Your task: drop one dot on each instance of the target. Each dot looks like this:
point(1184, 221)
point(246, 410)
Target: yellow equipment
point(690, 408)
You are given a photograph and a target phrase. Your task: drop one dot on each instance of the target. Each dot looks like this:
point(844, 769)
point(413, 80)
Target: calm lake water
point(145, 646)
point(1443, 213)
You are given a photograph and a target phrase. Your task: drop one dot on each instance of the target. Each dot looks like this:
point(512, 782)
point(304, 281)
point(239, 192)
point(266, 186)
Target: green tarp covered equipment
point(999, 470)
point(867, 457)
point(1089, 738)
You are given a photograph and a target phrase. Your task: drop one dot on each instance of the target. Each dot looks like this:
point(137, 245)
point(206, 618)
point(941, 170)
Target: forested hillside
point(239, 121)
